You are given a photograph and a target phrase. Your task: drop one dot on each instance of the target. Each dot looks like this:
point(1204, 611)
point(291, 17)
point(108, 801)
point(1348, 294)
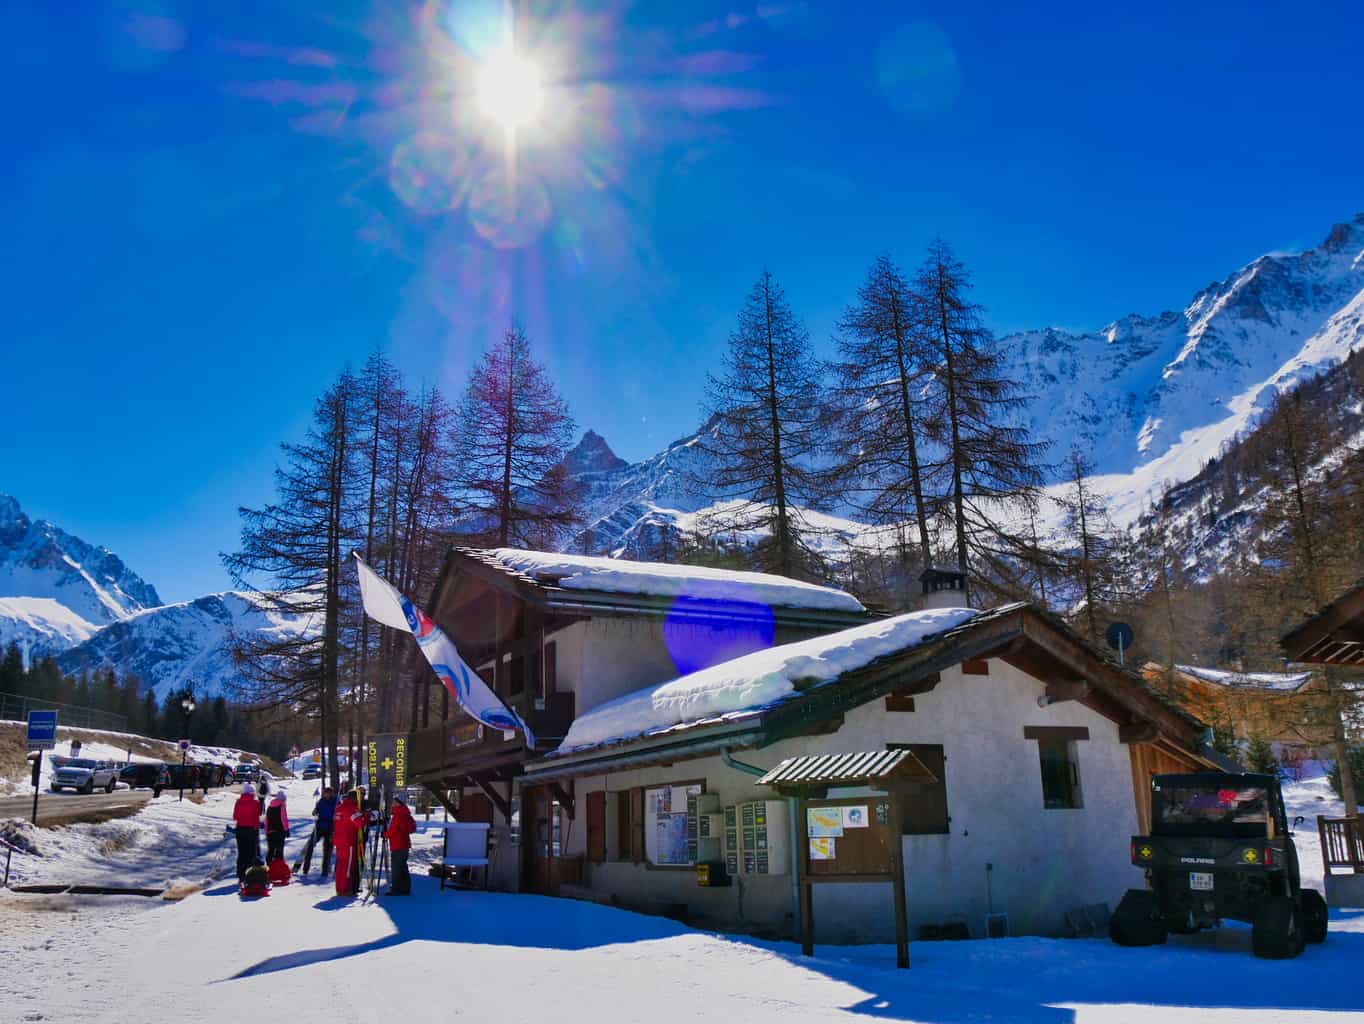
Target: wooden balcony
point(459, 746)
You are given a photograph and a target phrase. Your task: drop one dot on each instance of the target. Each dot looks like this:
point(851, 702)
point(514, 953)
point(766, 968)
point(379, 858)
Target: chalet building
point(1285, 708)
point(557, 635)
point(1038, 747)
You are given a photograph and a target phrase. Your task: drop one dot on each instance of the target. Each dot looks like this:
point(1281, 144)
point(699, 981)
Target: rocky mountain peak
point(593, 455)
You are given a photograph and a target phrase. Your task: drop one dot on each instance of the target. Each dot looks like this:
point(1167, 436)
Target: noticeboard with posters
point(850, 836)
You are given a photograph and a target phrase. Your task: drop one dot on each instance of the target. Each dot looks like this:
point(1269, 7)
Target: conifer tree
point(881, 404)
point(993, 465)
point(1090, 565)
point(768, 428)
point(512, 435)
point(299, 545)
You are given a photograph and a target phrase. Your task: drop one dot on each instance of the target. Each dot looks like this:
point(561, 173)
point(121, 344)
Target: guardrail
point(1342, 843)
point(16, 706)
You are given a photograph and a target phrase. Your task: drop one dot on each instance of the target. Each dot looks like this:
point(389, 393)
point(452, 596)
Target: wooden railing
point(1342, 843)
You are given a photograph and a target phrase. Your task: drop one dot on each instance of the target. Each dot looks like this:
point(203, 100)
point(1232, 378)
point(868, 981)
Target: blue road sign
point(42, 730)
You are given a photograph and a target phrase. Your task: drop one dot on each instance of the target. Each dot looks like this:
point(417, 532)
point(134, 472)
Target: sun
point(509, 89)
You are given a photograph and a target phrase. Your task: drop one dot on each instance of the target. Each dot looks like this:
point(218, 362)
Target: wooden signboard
point(852, 839)
point(849, 837)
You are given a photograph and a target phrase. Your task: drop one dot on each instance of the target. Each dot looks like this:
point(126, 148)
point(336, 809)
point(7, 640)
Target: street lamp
point(187, 706)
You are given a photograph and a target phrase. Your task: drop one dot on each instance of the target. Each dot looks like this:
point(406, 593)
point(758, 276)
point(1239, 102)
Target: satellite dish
point(1120, 636)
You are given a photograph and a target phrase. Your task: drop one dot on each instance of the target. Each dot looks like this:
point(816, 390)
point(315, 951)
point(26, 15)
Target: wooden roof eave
point(1340, 622)
point(1114, 685)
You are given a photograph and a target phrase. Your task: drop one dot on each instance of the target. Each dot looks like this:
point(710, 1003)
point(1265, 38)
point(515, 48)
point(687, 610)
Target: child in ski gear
point(276, 826)
point(278, 870)
point(246, 817)
point(255, 882)
point(323, 811)
point(399, 835)
point(162, 781)
point(348, 830)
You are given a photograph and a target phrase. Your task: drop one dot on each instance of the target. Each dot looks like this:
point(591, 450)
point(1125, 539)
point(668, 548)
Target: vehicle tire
point(1136, 922)
point(1180, 926)
point(56, 789)
point(109, 788)
point(1314, 916)
point(88, 788)
point(1277, 931)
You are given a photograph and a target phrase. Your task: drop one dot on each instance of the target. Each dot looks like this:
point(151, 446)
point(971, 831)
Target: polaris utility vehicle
point(1219, 848)
point(85, 776)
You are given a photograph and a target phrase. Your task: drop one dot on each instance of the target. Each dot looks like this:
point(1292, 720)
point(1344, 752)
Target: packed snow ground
point(485, 957)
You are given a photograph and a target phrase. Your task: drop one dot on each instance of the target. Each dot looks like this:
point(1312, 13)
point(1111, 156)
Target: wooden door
point(537, 832)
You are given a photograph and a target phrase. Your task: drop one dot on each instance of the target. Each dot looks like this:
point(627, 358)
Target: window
point(923, 810)
point(668, 842)
point(1060, 773)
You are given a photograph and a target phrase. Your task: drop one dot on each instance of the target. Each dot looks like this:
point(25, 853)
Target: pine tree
point(513, 433)
point(768, 429)
point(1224, 741)
point(1260, 756)
point(150, 725)
point(1091, 562)
point(299, 545)
point(993, 464)
point(881, 403)
point(12, 674)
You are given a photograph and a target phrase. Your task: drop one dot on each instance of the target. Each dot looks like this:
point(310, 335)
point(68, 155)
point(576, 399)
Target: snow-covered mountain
point(40, 625)
point(57, 590)
point(37, 559)
point(1150, 399)
point(176, 645)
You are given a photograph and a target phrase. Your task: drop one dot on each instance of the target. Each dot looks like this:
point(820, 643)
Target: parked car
point(85, 776)
point(1220, 848)
point(140, 775)
point(312, 771)
point(246, 773)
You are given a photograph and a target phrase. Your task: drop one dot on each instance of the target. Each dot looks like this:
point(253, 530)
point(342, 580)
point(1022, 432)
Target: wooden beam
point(498, 800)
point(565, 796)
point(1076, 689)
point(1056, 732)
point(1137, 732)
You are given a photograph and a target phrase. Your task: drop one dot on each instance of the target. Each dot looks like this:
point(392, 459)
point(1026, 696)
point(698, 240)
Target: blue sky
point(210, 208)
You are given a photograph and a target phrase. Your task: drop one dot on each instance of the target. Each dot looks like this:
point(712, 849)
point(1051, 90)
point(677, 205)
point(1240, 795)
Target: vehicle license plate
point(1201, 880)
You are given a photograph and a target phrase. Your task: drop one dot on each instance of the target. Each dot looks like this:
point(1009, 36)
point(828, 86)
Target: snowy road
point(65, 808)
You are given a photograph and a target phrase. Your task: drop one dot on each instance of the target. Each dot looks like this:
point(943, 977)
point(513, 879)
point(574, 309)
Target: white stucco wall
point(604, 658)
point(1045, 862)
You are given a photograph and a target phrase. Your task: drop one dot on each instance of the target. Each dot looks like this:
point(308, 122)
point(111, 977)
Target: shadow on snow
point(1029, 980)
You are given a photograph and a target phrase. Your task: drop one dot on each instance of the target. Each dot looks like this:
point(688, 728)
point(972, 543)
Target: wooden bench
point(1342, 848)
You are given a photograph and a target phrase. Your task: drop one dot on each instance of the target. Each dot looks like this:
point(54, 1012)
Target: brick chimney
point(942, 588)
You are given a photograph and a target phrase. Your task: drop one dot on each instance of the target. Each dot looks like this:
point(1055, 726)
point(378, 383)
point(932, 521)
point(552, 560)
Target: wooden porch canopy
point(1333, 636)
point(877, 769)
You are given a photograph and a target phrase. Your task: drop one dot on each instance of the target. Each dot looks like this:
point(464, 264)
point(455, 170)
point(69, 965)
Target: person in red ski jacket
point(246, 814)
point(348, 829)
point(276, 826)
point(399, 836)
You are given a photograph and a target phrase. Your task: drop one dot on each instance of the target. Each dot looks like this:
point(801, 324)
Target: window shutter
point(637, 825)
point(596, 827)
point(923, 811)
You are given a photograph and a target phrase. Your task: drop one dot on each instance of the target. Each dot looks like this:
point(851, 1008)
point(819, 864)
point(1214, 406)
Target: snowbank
point(583, 572)
point(1248, 680)
point(754, 681)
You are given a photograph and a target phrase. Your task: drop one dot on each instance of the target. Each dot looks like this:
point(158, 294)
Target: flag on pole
point(385, 604)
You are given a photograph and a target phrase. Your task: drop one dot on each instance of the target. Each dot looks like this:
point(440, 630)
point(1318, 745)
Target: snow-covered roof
point(754, 682)
point(1280, 681)
point(657, 579)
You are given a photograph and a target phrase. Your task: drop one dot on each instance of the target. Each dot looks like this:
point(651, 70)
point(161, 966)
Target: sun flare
point(509, 89)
